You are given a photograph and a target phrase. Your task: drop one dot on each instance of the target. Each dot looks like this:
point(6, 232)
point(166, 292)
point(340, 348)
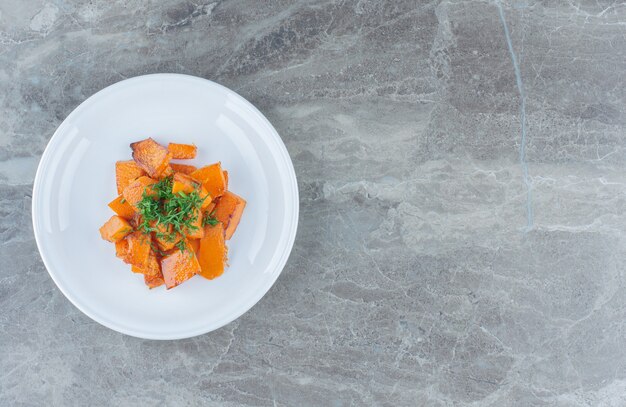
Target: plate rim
point(277, 267)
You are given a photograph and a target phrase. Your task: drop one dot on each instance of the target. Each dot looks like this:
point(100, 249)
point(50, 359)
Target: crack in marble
point(520, 88)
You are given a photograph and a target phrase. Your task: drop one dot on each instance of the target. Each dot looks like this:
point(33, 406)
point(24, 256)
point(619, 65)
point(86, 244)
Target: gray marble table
point(462, 171)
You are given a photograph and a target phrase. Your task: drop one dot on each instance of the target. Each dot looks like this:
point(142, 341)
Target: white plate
point(75, 181)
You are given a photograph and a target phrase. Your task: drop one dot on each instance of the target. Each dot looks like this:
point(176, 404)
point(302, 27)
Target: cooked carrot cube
point(134, 192)
point(125, 173)
point(122, 207)
point(136, 220)
point(179, 266)
point(194, 244)
point(212, 252)
point(165, 237)
point(228, 210)
point(168, 171)
point(183, 168)
point(210, 208)
point(184, 183)
point(168, 242)
point(182, 151)
point(187, 184)
point(152, 267)
point(152, 275)
point(196, 231)
point(136, 269)
point(153, 281)
point(212, 178)
point(206, 198)
point(115, 229)
point(121, 249)
point(139, 249)
point(151, 156)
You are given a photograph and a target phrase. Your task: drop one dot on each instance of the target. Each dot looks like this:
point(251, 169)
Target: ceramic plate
point(76, 179)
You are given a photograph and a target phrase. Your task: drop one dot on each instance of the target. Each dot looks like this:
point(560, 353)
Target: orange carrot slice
point(125, 173)
point(212, 178)
point(152, 157)
point(122, 207)
point(212, 252)
point(183, 168)
point(139, 249)
point(228, 210)
point(182, 151)
point(133, 193)
point(115, 229)
point(179, 266)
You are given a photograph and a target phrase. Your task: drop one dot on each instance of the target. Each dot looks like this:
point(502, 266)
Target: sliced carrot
point(136, 220)
point(184, 183)
point(196, 231)
point(168, 243)
point(121, 249)
point(182, 151)
point(212, 178)
point(151, 156)
point(122, 207)
point(136, 269)
point(152, 267)
point(225, 179)
point(194, 244)
point(152, 275)
point(139, 249)
point(228, 210)
point(115, 229)
point(165, 237)
point(179, 266)
point(210, 208)
point(206, 197)
point(133, 193)
point(212, 252)
point(153, 281)
point(183, 168)
point(168, 171)
point(125, 173)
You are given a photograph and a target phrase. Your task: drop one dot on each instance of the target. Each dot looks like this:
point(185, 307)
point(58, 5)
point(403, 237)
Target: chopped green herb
point(123, 200)
point(209, 220)
point(162, 207)
point(181, 245)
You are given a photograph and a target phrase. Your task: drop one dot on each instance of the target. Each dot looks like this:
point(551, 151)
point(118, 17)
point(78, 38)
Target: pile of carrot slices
point(172, 219)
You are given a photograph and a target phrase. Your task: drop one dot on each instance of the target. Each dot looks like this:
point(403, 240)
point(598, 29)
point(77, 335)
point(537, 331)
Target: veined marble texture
point(428, 270)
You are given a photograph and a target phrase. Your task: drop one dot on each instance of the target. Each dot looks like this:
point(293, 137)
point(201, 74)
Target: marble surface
point(462, 170)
